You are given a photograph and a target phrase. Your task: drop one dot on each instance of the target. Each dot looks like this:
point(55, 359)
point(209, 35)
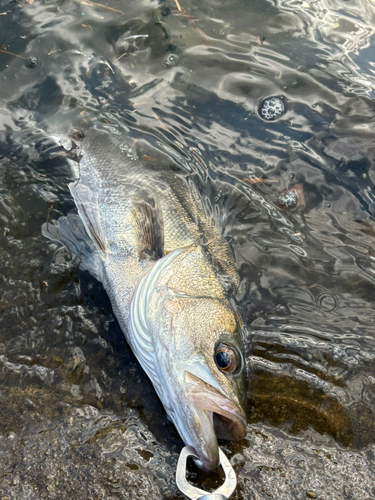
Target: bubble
point(293, 197)
point(282, 310)
point(131, 154)
point(271, 108)
point(288, 199)
point(171, 60)
point(124, 148)
point(32, 62)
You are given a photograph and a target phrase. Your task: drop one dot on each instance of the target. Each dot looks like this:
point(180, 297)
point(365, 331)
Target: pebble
point(311, 494)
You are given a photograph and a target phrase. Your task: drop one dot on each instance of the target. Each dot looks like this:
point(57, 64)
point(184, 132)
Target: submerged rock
point(91, 454)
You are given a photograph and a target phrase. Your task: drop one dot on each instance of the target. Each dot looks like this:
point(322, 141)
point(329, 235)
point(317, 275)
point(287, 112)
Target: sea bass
point(170, 276)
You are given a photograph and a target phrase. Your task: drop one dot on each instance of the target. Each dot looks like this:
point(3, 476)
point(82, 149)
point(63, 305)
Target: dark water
point(79, 418)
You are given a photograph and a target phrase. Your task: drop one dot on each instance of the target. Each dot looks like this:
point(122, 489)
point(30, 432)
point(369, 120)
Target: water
point(294, 196)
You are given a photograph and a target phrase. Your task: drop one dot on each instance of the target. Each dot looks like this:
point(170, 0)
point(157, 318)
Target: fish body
point(169, 274)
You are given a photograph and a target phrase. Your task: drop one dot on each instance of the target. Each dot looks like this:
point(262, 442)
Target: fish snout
point(216, 416)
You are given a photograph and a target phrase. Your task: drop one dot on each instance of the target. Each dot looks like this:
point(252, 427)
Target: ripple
point(327, 302)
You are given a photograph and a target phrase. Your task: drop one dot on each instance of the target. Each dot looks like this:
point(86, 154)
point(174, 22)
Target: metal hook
point(194, 493)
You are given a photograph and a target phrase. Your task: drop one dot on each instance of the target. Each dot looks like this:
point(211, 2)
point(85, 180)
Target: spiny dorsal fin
point(88, 210)
point(149, 227)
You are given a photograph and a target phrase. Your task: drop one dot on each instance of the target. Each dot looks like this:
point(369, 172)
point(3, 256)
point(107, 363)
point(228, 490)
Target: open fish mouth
point(217, 416)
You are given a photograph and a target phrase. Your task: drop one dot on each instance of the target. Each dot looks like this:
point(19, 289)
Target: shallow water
point(79, 417)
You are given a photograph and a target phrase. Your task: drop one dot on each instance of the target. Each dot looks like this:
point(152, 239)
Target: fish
point(171, 277)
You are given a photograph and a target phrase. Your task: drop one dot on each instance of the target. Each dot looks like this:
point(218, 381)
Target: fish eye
point(227, 358)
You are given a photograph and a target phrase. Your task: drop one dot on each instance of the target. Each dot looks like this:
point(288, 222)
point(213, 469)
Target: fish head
point(202, 372)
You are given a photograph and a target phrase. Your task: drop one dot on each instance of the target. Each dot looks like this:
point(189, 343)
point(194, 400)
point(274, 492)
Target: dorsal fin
point(149, 227)
point(88, 210)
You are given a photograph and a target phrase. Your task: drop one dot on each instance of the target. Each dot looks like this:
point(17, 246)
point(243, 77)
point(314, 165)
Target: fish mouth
point(217, 416)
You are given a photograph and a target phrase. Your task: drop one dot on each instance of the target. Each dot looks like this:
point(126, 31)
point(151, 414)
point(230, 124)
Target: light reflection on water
point(190, 86)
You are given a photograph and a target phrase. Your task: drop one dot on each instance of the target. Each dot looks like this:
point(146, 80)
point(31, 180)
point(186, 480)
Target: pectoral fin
point(86, 201)
point(149, 228)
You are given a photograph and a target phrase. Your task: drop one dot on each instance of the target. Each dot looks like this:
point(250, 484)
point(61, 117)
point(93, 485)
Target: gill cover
point(179, 317)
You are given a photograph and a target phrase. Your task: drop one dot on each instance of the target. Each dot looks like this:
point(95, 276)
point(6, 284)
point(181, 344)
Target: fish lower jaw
point(200, 435)
point(228, 420)
point(207, 447)
point(211, 425)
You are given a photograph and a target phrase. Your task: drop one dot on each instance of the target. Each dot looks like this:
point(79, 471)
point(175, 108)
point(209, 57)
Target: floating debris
point(3, 51)
point(99, 5)
point(272, 108)
point(73, 153)
point(200, 32)
point(148, 158)
point(256, 180)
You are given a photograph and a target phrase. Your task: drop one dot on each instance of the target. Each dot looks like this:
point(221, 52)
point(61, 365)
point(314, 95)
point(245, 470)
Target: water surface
point(79, 417)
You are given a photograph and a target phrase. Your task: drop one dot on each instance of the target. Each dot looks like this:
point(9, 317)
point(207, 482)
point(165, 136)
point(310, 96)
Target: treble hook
point(194, 493)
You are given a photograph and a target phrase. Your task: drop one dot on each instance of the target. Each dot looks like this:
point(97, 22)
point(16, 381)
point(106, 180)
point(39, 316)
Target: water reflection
point(185, 88)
